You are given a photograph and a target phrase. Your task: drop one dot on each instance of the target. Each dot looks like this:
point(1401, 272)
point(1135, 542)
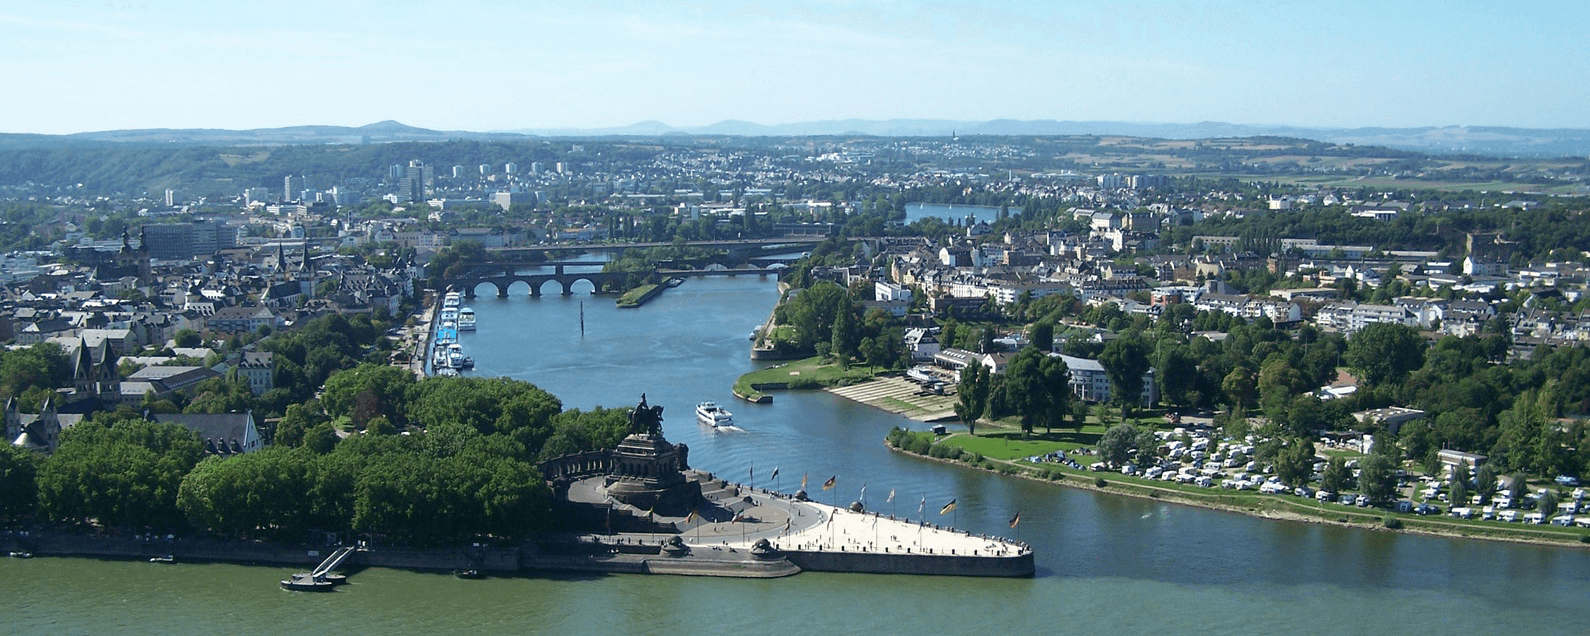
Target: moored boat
point(306, 583)
point(466, 319)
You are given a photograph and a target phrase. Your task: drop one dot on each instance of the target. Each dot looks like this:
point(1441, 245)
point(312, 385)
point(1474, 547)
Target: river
point(1106, 564)
point(957, 213)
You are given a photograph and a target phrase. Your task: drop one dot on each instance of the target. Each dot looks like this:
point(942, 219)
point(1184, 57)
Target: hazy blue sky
point(71, 66)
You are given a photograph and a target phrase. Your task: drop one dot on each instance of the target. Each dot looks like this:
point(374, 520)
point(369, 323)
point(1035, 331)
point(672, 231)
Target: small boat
point(469, 363)
point(303, 582)
point(448, 372)
point(468, 574)
point(441, 359)
point(169, 558)
point(713, 415)
point(455, 356)
point(20, 554)
point(466, 319)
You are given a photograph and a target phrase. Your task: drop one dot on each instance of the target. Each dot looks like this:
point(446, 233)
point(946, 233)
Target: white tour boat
point(714, 415)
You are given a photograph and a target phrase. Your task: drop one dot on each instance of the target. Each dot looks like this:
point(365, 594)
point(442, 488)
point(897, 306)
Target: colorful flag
point(947, 507)
point(829, 485)
point(921, 508)
point(891, 496)
point(738, 517)
point(1016, 519)
point(803, 481)
point(775, 473)
point(691, 518)
point(863, 497)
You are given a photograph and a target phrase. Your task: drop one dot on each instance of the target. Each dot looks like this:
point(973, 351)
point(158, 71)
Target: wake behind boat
point(713, 415)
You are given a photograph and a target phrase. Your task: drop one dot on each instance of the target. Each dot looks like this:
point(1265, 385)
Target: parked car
point(1427, 509)
point(1567, 481)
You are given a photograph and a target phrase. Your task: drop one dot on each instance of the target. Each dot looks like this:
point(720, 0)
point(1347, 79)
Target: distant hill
point(1482, 140)
point(1479, 140)
point(379, 132)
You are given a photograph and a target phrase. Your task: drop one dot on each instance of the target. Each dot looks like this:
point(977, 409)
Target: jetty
point(321, 579)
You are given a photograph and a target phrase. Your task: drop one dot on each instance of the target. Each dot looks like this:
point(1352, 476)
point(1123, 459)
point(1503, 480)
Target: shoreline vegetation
point(638, 296)
point(958, 449)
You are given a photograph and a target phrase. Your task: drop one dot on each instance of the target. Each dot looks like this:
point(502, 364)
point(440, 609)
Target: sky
point(69, 66)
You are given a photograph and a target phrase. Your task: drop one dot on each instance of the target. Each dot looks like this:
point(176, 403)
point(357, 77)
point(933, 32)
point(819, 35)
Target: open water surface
point(1106, 564)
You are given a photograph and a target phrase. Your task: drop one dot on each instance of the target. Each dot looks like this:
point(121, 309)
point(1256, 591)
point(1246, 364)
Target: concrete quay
point(813, 536)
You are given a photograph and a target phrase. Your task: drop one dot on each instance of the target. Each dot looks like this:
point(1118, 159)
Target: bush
point(1393, 523)
point(1099, 482)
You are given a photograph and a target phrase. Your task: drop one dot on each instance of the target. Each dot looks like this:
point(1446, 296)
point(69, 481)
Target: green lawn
point(806, 373)
point(631, 297)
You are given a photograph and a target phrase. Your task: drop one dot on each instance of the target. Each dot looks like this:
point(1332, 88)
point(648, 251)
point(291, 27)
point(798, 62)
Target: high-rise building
point(485, 169)
point(412, 188)
point(292, 185)
point(458, 172)
point(394, 173)
point(561, 167)
point(535, 167)
point(510, 167)
point(171, 198)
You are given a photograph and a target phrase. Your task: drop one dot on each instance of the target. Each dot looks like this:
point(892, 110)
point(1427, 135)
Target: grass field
point(632, 297)
point(806, 373)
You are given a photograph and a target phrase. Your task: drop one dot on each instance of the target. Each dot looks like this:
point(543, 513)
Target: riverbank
point(1276, 507)
point(805, 374)
point(898, 395)
point(638, 296)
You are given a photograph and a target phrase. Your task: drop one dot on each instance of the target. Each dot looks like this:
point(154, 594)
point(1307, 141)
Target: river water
point(1106, 564)
point(956, 213)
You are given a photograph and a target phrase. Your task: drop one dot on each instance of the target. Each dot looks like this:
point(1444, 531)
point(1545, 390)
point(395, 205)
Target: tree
point(1377, 478)
point(1336, 478)
point(1037, 389)
point(187, 338)
point(1043, 336)
point(18, 481)
point(1295, 462)
point(971, 396)
point(1125, 361)
point(846, 336)
point(1385, 352)
point(1460, 488)
point(1237, 387)
point(1485, 483)
point(1176, 372)
point(381, 389)
point(1121, 441)
point(118, 471)
point(1548, 503)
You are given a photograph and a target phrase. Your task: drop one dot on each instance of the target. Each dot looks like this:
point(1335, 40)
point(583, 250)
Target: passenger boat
point(452, 299)
point(713, 415)
point(441, 360)
point(466, 319)
point(455, 356)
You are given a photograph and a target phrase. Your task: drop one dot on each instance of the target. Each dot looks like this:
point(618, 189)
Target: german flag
point(829, 485)
point(947, 507)
point(1016, 519)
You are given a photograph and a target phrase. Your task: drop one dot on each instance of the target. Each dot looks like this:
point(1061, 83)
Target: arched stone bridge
point(505, 277)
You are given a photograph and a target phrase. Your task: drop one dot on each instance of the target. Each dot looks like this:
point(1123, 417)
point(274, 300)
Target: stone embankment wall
point(931, 564)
